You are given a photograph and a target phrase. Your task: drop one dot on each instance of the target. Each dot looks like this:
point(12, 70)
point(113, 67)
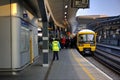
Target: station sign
point(24, 23)
point(80, 4)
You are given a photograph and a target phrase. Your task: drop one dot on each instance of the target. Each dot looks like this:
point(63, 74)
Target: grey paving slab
point(72, 66)
point(66, 68)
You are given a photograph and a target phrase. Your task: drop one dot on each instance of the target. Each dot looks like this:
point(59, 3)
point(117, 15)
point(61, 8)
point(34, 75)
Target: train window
point(86, 38)
point(90, 37)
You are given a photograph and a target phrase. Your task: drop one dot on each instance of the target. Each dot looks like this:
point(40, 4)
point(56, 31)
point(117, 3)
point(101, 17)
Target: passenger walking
point(63, 42)
point(68, 42)
point(55, 48)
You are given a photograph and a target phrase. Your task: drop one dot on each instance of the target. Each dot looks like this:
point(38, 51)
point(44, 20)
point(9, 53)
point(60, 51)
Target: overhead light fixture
point(39, 19)
point(39, 29)
point(66, 6)
point(65, 12)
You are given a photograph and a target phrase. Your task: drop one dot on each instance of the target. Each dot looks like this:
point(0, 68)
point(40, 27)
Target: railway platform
point(70, 66)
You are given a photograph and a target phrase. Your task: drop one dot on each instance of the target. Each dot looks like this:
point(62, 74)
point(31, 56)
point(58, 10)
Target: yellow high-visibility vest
point(55, 46)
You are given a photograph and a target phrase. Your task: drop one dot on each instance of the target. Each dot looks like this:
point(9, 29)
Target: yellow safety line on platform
point(80, 64)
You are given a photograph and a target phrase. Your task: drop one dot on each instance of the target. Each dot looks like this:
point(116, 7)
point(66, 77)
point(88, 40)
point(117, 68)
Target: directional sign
point(80, 3)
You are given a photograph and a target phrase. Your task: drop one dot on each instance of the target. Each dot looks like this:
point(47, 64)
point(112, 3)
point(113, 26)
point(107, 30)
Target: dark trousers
point(55, 54)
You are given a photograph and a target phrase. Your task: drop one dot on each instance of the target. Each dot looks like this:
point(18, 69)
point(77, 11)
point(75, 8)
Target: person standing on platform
point(55, 48)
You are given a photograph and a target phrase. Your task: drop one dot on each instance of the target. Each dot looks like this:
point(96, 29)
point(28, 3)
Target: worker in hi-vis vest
point(55, 48)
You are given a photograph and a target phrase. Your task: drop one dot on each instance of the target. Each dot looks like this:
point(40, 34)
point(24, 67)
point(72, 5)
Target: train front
point(86, 42)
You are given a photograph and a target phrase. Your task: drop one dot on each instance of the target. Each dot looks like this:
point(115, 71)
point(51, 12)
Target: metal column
point(45, 33)
point(45, 45)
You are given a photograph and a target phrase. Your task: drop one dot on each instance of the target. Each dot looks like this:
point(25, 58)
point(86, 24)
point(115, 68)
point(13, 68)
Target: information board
point(80, 3)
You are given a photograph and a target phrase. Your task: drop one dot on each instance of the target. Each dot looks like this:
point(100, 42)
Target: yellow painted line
point(81, 65)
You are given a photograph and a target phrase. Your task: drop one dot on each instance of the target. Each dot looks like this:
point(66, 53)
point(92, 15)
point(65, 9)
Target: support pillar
point(45, 46)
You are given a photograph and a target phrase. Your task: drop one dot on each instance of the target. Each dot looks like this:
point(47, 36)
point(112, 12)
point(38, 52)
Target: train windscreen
point(86, 38)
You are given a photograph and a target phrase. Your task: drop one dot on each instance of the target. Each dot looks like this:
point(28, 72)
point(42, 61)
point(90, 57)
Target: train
point(86, 41)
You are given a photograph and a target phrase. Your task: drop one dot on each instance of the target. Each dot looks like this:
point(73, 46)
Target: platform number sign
point(80, 3)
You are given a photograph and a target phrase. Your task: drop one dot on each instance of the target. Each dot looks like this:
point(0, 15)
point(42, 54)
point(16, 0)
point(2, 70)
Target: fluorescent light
point(39, 29)
point(66, 6)
point(39, 34)
point(65, 12)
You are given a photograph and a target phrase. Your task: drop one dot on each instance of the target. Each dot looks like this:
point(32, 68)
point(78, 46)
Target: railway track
point(98, 62)
point(110, 60)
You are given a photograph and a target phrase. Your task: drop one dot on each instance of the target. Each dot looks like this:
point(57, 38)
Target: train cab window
point(86, 38)
point(90, 37)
